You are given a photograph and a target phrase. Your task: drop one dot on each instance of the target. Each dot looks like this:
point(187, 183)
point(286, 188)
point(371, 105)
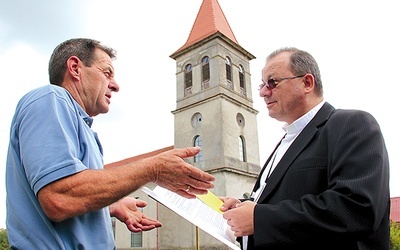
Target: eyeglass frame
point(272, 83)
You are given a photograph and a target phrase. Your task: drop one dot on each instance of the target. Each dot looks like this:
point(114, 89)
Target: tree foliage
point(3, 239)
point(394, 235)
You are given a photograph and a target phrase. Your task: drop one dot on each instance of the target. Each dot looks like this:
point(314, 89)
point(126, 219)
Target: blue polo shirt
point(51, 138)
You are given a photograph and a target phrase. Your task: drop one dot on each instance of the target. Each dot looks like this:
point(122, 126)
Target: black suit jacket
point(330, 190)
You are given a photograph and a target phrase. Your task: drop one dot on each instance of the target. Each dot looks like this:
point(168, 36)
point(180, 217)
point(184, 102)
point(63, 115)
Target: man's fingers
point(185, 194)
point(141, 203)
point(187, 152)
point(193, 190)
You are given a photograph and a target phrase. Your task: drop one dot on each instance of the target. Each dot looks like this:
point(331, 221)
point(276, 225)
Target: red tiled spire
point(210, 20)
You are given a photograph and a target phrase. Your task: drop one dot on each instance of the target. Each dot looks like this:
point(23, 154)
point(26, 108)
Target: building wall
point(395, 209)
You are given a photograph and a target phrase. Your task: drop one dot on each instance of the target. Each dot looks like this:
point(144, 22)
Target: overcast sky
point(356, 44)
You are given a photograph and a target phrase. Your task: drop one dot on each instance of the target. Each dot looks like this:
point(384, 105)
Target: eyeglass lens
point(270, 84)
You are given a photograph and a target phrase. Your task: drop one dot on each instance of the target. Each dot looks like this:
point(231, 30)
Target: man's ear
point(309, 83)
point(73, 66)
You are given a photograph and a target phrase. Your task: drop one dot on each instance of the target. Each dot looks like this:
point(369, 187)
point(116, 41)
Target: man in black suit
point(326, 185)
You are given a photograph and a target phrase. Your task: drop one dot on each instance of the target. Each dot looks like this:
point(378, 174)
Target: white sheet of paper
point(197, 213)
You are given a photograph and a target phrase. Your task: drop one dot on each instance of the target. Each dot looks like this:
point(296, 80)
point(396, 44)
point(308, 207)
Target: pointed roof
point(209, 21)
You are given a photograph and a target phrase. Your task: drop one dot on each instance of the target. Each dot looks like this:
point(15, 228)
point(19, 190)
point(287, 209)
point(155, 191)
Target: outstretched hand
point(173, 173)
point(126, 210)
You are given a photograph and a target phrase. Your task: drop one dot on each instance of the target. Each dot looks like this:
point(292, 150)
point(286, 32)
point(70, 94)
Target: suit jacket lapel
point(257, 184)
point(294, 150)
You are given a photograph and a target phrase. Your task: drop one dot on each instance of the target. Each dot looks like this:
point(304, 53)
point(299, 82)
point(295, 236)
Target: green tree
point(3, 239)
point(394, 235)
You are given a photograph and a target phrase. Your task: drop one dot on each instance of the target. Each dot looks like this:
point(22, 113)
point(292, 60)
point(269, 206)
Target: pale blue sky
point(355, 43)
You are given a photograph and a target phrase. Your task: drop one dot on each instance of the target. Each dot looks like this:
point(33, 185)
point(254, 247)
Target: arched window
point(228, 71)
point(198, 142)
point(205, 72)
point(242, 149)
point(241, 80)
point(137, 238)
point(188, 79)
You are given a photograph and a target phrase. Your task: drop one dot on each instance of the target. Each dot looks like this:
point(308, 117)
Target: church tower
point(214, 110)
point(214, 103)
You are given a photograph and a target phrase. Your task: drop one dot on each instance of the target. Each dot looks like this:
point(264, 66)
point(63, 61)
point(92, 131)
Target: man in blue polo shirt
point(59, 195)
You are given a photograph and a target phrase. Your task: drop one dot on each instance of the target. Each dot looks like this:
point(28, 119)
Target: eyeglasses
point(272, 83)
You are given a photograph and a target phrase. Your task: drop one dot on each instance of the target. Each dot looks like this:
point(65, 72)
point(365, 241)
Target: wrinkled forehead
point(102, 58)
point(278, 63)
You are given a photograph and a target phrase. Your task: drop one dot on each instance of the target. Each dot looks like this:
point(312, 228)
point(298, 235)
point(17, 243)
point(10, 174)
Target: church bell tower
point(214, 103)
point(214, 110)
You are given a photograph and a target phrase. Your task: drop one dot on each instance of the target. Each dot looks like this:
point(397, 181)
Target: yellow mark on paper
point(211, 200)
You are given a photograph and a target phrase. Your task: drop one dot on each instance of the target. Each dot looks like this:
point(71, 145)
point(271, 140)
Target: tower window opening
point(188, 79)
point(242, 149)
point(198, 142)
point(205, 72)
point(228, 66)
point(242, 84)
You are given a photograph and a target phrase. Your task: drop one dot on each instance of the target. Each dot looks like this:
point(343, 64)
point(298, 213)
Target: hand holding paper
point(204, 212)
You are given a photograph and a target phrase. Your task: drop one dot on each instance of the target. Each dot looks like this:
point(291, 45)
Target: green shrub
point(394, 235)
point(3, 239)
